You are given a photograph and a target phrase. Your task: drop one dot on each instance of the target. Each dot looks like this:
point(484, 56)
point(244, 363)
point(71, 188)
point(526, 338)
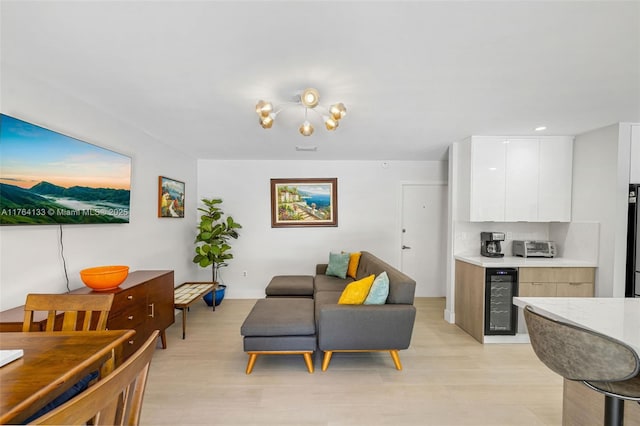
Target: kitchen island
point(618, 318)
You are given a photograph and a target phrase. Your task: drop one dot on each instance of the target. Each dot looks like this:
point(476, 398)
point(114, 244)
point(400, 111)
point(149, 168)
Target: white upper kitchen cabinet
point(521, 192)
point(555, 177)
point(487, 179)
point(516, 179)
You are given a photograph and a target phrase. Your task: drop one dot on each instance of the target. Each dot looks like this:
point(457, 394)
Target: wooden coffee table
point(186, 294)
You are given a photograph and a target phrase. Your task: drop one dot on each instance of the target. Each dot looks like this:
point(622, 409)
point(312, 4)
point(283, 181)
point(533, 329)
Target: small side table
point(187, 293)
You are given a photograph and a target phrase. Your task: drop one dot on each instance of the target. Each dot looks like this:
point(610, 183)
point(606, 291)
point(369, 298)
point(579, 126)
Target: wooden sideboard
point(143, 302)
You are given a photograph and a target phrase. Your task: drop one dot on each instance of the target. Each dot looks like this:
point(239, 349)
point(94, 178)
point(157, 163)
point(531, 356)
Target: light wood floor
point(448, 379)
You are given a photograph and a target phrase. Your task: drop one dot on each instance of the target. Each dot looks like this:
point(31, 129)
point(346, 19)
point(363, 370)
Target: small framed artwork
point(304, 202)
point(170, 197)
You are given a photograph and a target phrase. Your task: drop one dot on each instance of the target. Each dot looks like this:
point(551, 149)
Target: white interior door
point(424, 229)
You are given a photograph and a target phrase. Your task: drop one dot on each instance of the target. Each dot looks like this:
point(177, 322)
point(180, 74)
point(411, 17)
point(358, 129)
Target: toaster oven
point(534, 248)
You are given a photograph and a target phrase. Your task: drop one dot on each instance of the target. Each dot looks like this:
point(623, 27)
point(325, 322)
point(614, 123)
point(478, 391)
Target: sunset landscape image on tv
point(49, 178)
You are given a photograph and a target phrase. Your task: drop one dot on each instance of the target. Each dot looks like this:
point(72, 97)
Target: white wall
point(369, 200)
point(30, 256)
point(467, 235)
point(601, 165)
point(576, 240)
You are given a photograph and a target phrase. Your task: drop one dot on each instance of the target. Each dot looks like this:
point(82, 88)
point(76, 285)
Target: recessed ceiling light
point(540, 128)
point(306, 148)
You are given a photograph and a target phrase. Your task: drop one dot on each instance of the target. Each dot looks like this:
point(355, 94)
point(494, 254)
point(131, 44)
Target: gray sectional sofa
point(338, 327)
point(364, 328)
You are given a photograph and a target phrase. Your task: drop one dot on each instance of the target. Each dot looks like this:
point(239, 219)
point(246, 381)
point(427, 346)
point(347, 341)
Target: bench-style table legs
point(185, 295)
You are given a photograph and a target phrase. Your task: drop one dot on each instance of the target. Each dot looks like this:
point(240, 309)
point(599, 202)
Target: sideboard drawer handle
point(130, 317)
point(129, 297)
point(131, 342)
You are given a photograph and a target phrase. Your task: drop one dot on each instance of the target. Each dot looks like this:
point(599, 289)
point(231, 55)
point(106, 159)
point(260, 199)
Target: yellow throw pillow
point(354, 260)
point(356, 292)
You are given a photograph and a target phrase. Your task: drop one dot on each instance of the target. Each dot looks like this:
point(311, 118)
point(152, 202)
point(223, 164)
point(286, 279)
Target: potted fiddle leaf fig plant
point(212, 243)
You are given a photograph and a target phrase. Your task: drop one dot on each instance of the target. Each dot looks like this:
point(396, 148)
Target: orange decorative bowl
point(102, 278)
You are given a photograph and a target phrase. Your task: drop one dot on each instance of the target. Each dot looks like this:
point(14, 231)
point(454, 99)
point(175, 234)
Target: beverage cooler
point(500, 314)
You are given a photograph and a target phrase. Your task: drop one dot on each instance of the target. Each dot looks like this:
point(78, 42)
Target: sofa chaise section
point(278, 326)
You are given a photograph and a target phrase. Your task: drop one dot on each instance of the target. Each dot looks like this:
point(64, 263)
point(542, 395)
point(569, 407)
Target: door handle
point(405, 247)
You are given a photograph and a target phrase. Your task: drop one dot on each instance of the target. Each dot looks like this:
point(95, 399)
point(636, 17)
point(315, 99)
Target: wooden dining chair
point(73, 307)
point(71, 312)
point(114, 400)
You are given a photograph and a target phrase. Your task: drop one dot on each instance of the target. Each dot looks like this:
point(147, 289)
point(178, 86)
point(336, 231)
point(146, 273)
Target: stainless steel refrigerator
point(632, 288)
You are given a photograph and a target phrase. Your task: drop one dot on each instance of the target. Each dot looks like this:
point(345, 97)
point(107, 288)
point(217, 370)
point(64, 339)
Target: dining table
point(51, 363)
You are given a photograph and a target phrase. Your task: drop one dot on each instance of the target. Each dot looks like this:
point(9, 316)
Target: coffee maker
point(490, 244)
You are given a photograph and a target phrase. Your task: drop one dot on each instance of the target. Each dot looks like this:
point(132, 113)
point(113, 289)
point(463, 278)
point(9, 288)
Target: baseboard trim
point(518, 338)
point(449, 316)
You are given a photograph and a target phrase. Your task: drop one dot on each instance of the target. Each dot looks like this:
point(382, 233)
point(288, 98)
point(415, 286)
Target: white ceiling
point(415, 76)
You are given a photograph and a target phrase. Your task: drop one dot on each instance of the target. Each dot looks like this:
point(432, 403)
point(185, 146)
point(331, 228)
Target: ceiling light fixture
point(540, 128)
point(309, 99)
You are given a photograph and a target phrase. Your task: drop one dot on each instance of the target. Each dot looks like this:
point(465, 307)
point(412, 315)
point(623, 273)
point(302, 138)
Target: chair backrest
point(73, 307)
point(577, 353)
point(114, 400)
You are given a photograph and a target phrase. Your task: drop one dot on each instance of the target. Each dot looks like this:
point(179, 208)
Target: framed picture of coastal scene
point(170, 197)
point(304, 202)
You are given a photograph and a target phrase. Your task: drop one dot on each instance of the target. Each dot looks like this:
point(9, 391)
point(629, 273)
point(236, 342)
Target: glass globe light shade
point(266, 122)
point(306, 129)
point(331, 123)
point(263, 109)
point(310, 98)
point(338, 111)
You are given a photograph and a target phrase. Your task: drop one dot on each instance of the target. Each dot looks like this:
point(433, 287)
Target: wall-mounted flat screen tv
point(49, 178)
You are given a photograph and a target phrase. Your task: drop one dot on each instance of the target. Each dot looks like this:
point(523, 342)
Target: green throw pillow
point(338, 264)
point(379, 290)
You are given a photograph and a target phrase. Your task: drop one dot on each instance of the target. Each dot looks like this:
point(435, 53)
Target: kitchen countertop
point(525, 262)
